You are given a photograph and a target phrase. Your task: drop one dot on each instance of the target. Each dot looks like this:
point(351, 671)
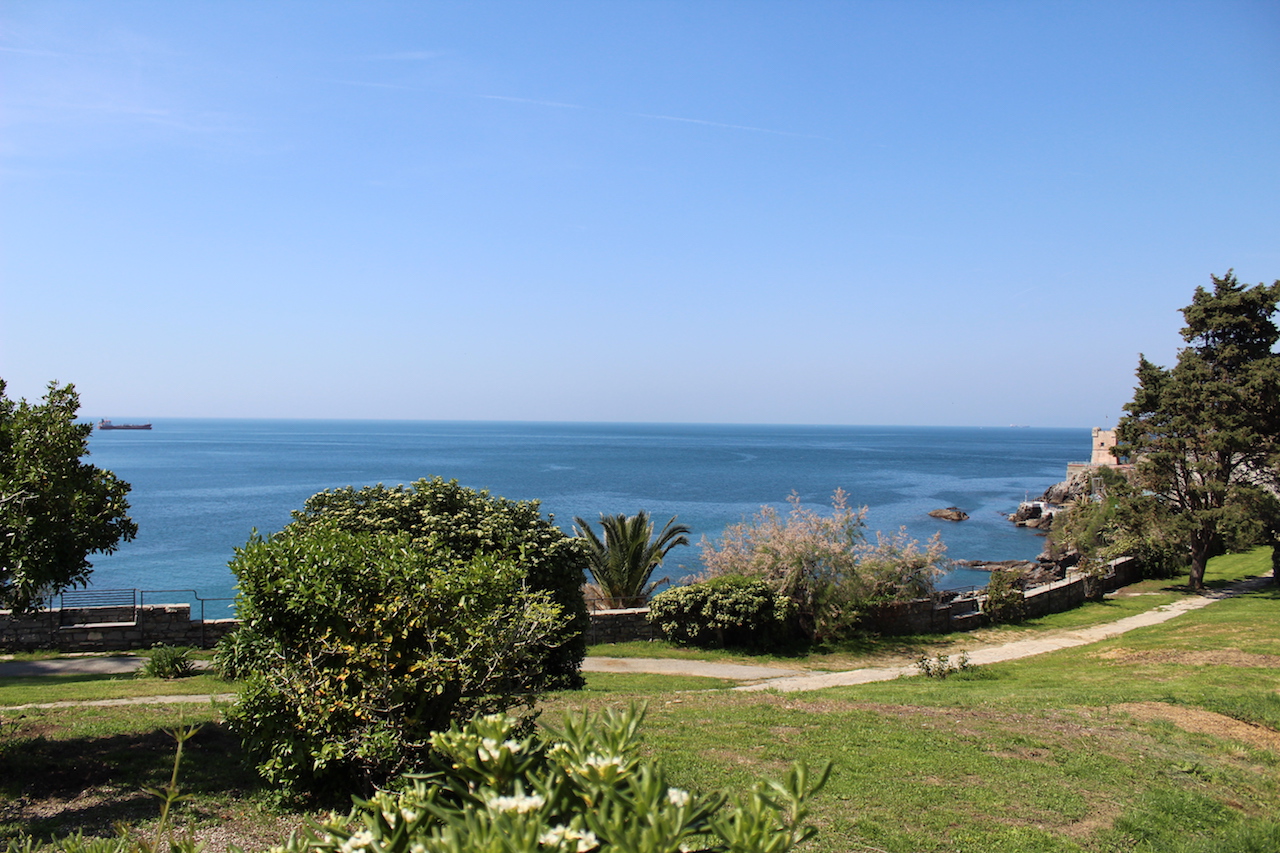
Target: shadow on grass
point(868, 645)
point(37, 681)
point(56, 786)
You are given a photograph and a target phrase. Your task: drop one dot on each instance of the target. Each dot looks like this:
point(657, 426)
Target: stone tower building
point(1103, 441)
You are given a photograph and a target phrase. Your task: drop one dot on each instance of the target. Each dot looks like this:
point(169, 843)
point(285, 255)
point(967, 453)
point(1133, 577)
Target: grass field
point(1163, 739)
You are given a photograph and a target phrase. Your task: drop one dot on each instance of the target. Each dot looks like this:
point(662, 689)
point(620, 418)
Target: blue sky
point(763, 212)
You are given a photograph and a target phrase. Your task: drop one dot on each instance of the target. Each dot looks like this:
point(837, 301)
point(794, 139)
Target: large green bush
point(361, 645)
point(725, 611)
point(438, 513)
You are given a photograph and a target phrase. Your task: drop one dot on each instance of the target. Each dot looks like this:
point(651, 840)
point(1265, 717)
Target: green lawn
point(892, 651)
point(1167, 738)
point(1164, 739)
point(84, 688)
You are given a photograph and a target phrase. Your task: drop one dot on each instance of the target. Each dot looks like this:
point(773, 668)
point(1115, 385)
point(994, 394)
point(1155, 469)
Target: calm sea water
point(201, 486)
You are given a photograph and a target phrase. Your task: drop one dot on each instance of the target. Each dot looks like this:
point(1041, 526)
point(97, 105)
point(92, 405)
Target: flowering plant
point(824, 562)
point(581, 789)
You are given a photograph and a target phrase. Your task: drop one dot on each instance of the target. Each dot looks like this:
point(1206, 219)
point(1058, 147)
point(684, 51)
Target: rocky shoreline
point(1038, 515)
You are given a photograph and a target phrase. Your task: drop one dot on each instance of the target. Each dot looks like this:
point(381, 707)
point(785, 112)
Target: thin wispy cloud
point(26, 51)
point(365, 84)
point(726, 125)
point(403, 88)
point(533, 101)
point(538, 102)
point(405, 56)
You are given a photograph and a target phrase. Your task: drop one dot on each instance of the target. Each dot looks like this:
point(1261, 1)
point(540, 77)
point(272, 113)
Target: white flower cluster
point(359, 841)
point(520, 803)
point(490, 750)
point(558, 835)
point(678, 797)
point(600, 762)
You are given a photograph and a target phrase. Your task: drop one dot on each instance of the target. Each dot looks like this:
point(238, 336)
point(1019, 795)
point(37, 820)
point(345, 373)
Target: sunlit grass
point(35, 689)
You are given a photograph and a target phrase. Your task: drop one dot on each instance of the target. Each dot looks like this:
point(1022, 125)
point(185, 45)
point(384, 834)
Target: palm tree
point(624, 559)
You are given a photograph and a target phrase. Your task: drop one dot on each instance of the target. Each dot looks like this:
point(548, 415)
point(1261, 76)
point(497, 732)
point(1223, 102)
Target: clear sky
point(956, 213)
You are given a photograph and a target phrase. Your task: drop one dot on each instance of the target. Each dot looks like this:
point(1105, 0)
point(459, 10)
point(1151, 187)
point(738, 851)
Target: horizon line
point(120, 420)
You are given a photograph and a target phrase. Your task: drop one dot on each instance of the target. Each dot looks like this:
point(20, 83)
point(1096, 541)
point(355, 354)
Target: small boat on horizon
point(106, 424)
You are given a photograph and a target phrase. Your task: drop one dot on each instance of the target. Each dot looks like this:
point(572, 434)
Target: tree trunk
point(1201, 550)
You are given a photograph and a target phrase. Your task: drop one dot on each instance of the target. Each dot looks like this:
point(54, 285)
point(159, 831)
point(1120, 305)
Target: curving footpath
point(761, 677)
point(788, 681)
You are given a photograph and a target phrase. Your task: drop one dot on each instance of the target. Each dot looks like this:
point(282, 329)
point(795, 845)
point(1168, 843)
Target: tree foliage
point(824, 563)
point(438, 513)
point(624, 557)
point(358, 646)
point(1205, 435)
point(55, 508)
point(1120, 520)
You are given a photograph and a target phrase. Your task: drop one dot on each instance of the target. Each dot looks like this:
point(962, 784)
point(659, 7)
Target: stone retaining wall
point(922, 616)
point(620, 626)
point(110, 629)
point(935, 616)
point(124, 628)
point(113, 629)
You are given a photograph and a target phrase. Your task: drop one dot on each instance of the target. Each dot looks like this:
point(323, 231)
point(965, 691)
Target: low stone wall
point(938, 616)
point(620, 626)
point(111, 629)
point(923, 616)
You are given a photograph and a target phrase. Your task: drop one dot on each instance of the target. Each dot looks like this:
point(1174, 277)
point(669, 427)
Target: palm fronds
point(623, 559)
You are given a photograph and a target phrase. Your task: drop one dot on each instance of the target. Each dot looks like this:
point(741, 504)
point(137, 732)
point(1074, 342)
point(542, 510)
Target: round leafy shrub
point(439, 513)
point(1006, 601)
point(729, 610)
point(364, 644)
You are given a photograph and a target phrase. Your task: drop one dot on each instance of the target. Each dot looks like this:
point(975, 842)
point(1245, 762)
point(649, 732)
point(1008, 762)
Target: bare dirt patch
point(1204, 722)
point(1205, 657)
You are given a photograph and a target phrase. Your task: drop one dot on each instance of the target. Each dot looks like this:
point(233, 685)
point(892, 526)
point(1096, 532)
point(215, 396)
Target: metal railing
point(195, 596)
point(76, 599)
point(98, 598)
point(81, 599)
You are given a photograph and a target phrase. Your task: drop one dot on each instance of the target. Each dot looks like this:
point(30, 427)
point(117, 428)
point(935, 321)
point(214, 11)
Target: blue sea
point(201, 486)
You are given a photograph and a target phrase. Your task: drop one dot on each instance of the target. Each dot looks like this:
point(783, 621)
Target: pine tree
point(1205, 435)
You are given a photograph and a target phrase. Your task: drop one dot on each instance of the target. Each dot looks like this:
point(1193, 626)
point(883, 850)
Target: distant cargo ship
point(106, 424)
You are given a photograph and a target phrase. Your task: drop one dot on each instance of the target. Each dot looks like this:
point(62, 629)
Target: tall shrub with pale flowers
point(824, 562)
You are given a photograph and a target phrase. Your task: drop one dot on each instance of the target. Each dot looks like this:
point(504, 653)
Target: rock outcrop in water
point(1039, 514)
point(1027, 573)
point(951, 513)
